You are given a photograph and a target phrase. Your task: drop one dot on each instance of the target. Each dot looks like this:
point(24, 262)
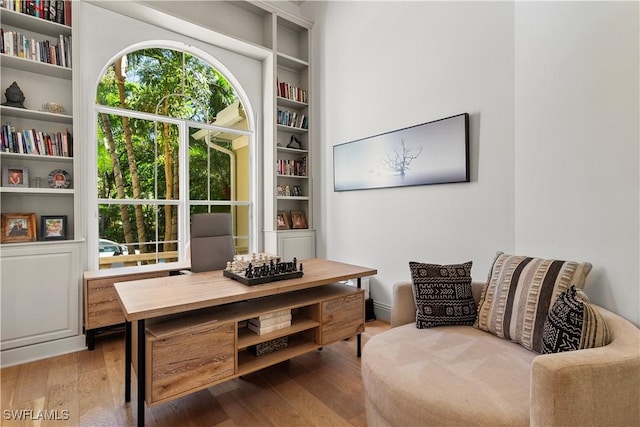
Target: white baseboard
point(30, 353)
point(382, 311)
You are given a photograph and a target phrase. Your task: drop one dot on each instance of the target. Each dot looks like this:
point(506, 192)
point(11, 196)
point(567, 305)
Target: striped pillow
point(573, 324)
point(518, 296)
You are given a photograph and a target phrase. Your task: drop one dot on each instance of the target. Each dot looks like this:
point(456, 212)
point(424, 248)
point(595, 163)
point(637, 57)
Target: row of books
point(297, 167)
point(284, 90)
point(58, 11)
point(17, 44)
point(270, 322)
point(36, 142)
point(293, 119)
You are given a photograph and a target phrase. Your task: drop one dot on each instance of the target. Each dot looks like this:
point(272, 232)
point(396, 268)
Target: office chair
point(211, 241)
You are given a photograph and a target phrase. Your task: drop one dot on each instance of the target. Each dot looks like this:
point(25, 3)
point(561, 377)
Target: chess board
point(240, 277)
point(262, 268)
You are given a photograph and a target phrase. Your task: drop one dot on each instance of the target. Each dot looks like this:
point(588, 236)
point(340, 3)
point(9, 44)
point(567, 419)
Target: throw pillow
point(442, 294)
point(518, 296)
point(573, 324)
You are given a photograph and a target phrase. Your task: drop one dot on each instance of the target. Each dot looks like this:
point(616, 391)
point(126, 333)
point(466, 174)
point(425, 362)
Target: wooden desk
point(166, 297)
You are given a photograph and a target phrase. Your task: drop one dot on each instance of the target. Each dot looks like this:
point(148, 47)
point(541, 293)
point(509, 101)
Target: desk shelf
point(248, 338)
point(321, 315)
point(298, 345)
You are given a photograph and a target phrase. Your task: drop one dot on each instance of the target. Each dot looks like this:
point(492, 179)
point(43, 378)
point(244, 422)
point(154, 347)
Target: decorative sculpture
point(14, 95)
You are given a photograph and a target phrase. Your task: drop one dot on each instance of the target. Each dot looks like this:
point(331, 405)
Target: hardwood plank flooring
point(318, 389)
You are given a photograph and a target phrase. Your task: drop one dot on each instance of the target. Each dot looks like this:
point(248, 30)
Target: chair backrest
point(211, 241)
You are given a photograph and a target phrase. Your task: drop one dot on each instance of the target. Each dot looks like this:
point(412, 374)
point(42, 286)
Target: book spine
point(67, 13)
point(19, 143)
point(32, 142)
point(61, 50)
point(271, 321)
point(5, 139)
point(268, 329)
point(10, 139)
point(60, 12)
point(69, 142)
point(274, 314)
point(53, 11)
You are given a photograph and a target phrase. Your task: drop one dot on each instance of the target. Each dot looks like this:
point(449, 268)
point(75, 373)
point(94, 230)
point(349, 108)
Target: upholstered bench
point(464, 376)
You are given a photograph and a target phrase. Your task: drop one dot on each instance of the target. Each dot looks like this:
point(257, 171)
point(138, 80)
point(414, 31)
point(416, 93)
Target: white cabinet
point(40, 293)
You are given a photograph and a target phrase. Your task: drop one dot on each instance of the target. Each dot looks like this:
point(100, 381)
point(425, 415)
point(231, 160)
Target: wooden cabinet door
point(188, 361)
point(342, 317)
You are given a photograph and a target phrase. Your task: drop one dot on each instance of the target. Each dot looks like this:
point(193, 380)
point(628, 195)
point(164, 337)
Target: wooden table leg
point(141, 371)
point(127, 361)
point(359, 336)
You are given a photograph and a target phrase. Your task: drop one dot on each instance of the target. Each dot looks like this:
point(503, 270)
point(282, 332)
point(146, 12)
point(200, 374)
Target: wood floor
point(322, 388)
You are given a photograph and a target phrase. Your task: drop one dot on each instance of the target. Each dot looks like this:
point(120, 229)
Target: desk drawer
point(187, 361)
point(101, 302)
point(342, 317)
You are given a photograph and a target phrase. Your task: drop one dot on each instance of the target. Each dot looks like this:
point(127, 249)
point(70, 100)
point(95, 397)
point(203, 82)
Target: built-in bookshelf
point(37, 133)
point(290, 219)
point(39, 164)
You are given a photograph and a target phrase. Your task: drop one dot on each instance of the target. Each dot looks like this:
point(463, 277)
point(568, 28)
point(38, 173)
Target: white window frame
point(184, 202)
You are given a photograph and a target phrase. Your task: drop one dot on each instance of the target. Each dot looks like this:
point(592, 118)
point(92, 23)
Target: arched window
point(173, 139)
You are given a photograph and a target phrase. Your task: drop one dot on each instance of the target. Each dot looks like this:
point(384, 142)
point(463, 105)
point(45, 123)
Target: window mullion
point(183, 177)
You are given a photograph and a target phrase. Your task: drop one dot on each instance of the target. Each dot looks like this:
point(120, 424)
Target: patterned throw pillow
point(573, 324)
point(516, 301)
point(443, 294)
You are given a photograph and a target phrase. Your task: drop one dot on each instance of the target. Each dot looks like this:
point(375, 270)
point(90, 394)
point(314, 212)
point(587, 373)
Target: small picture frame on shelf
point(297, 191)
point(15, 176)
point(59, 178)
point(18, 227)
point(298, 220)
point(53, 227)
point(281, 189)
point(283, 220)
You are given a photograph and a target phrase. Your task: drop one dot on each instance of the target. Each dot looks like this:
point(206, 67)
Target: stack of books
point(270, 322)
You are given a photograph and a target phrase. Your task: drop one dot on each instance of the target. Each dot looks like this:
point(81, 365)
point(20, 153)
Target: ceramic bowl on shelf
point(53, 107)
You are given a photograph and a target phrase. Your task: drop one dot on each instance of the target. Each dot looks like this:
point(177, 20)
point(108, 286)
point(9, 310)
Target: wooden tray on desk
point(261, 280)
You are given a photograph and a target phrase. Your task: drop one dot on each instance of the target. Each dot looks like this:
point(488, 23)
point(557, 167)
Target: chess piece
point(14, 95)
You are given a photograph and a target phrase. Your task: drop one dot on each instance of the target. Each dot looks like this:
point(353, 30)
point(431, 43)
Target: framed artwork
point(18, 227)
point(53, 227)
point(298, 219)
point(283, 220)
point(436, 152)
point(15, 176)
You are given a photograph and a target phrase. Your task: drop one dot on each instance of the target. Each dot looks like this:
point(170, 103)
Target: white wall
point(577, 111)
point(552, 90)
point(385, 66)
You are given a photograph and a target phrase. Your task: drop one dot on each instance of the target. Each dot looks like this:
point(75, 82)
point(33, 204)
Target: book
point(271, 321)
point(268, 329)
point(270, 346)
point(274, 314)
